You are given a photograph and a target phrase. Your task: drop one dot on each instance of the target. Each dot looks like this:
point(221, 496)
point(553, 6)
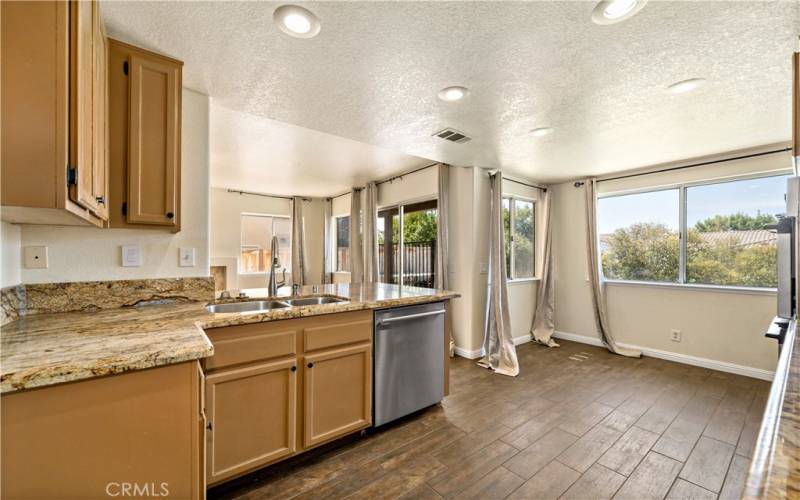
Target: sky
point(750, 196)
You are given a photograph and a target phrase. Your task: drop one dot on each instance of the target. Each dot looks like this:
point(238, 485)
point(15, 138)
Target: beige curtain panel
point(543, 325)
point(370, 233)
point(498, 346)
point(356, 264)
point(298, 242)
point(595, 276)
point(442, 276)
point(327, 254)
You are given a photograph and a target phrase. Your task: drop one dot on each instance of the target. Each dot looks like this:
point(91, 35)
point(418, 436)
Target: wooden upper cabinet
point(251, 415)
point(145, 137)
point(53, 120)
point(796, 109)
point(337, 393)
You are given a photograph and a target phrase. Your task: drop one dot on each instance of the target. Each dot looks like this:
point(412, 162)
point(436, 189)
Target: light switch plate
point(35, 257)
point(131, 256)
point(186, 257)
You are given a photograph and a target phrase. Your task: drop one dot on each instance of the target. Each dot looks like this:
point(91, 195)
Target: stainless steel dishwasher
point(409, 360)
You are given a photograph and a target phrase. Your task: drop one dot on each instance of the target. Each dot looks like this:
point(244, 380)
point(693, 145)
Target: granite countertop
point(46, 349)
point(775, 469)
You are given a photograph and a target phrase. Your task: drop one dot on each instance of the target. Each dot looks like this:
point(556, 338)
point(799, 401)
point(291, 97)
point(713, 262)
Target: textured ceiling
point(373, 72)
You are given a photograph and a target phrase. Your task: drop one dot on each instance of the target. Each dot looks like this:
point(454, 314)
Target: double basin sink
point(267, 305)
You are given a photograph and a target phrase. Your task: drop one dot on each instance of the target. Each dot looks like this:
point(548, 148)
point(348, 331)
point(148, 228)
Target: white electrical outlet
point(675, 336)
point(186, 257)
point(35, 257)
point(131, 256)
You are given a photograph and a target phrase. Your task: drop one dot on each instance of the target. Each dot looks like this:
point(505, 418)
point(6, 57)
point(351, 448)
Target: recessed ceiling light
point(453, 93)
point(614, 11)
point(686, 85)
point(541, 131)
point(296, 21)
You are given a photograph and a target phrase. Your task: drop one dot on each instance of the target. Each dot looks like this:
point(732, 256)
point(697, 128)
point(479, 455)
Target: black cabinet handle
point(101, 200)
point(311, 365)
point(170, 215)
point(294, 368)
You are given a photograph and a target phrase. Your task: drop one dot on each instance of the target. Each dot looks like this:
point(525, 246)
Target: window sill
point(519, 281)
point(746, 290)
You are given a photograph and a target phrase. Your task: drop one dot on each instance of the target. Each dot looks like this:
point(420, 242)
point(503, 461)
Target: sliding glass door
point(407, 244)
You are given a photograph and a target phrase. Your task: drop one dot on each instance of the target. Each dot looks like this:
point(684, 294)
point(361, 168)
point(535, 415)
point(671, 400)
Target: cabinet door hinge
point(210, 425)
point(125, 67)
point(72, 176)
point(124, 208)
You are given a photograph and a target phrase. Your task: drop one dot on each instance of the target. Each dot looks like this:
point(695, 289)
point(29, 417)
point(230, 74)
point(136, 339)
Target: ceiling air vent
point(452, 135)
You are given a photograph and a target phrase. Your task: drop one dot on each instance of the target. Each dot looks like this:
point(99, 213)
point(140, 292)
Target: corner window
point(519, 235)
point(256, 241)
point(342, 243)
point(704, 234)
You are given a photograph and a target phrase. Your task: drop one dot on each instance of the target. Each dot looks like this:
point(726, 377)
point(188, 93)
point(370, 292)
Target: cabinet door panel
point(154, 141)
point(337, 393)
point(99, 178)
point(251, 414)
point(82, 33)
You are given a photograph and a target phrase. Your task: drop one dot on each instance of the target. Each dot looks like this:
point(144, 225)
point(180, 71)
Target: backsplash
point(40, 298)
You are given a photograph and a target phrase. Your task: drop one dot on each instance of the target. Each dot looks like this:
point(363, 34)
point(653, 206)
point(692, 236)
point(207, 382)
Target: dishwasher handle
point(387, 321)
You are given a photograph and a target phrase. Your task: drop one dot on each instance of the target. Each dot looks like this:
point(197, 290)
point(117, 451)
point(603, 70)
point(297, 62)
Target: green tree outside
point(650, 252)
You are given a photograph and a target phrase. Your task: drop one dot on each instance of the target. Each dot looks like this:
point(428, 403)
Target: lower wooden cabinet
point(251, 417)
point(337, 393)
point(276, 389)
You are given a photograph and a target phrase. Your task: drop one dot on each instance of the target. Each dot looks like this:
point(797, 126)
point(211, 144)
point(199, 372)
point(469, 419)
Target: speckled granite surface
point(45, 349)
point(775, 468)
point(12, 300)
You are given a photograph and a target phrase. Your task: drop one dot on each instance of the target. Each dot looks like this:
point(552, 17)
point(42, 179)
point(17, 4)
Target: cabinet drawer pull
point(311, 365)
point(170, 215)
point(294, 368)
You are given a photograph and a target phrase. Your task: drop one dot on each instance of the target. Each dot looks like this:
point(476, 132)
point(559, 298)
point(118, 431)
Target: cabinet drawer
point(345, 328)
point(247, 343)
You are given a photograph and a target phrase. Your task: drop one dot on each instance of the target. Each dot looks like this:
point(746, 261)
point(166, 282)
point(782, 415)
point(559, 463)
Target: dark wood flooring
point(578, 423)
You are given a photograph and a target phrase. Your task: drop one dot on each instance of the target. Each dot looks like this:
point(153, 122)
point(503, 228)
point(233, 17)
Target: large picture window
point(702, 234)
point(519, 236)
point(256, 240)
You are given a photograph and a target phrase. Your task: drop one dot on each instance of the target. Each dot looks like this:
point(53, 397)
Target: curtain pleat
point(327, 252)
point(498, 345)
point(370, 233)
point(543, 325)
point(595, 277)
point(298, 242)
point(356, 264)
point(442, 276)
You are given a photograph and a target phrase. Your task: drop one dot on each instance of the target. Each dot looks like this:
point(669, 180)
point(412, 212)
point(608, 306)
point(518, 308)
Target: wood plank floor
point(578, 422)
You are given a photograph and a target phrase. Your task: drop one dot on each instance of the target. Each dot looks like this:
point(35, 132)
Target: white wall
point(226, 209)
point(717, 325)
point(10, 255)
point(423, 184)
point(87, 254)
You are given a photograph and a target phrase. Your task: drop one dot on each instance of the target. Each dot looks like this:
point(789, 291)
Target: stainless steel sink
point(243, 307)
point(314, 301)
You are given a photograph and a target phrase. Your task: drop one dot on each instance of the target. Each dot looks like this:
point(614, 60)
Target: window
point(343, 243)
point(410, 259)
point(639, 236)
point(705, 234)
point(518, 232)
point(256, 240)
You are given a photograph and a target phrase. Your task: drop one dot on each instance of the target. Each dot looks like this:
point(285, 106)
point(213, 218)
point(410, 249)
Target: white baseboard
point(686, 359)
point(477, 353)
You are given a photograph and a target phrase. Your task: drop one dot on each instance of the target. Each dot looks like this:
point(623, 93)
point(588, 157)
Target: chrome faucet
point(273, 284)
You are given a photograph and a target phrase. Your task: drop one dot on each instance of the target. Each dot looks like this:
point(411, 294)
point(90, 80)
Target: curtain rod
point(526, 184)
point(700, 164)
point(304, 198)
point(389, 179)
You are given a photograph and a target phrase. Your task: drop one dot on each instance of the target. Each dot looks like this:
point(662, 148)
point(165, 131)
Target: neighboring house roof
point(748, 238)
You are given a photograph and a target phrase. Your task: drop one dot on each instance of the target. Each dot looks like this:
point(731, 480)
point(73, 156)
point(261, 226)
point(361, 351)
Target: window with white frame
point(519, 235)
point(256, 240)
point(342, 243)
point(713, 233)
